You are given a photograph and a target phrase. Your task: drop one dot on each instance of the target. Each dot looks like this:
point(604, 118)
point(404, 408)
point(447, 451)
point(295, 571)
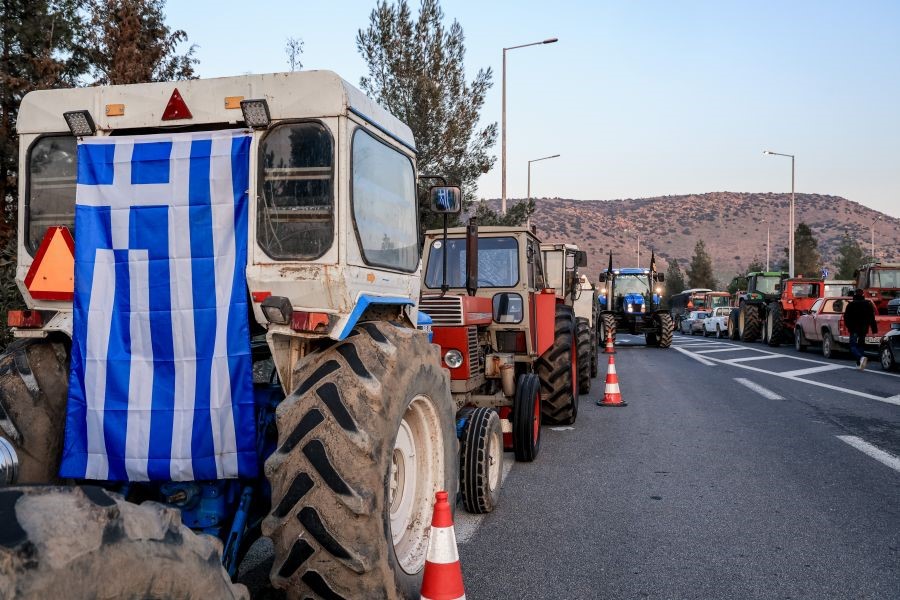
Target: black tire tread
point(329, 488)
point(559, 398)
point(752, 331)
point(474, 461)
point(583, 341)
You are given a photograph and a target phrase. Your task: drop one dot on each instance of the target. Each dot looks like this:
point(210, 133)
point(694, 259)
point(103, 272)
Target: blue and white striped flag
point(161, 384)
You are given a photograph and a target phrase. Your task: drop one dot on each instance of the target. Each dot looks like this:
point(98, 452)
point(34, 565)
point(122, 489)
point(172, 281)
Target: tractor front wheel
point(607, 328)
point(84, 542)
point(557, 371)
point(481, 461)
point(734, 333)
point(364, 443)
point(526, 431)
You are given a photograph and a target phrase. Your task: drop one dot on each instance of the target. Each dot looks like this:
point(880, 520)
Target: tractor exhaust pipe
point(472, 256)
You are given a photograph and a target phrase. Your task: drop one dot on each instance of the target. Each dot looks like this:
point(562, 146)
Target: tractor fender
point(369, 303)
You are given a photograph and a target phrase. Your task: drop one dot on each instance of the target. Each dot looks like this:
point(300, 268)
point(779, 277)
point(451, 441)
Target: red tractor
point(508, 342)
point(797, 296)
point(880, 282)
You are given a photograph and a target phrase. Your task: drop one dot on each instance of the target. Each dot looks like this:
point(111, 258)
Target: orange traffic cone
point(610, 346)
point(442, 579)
point(612, 396)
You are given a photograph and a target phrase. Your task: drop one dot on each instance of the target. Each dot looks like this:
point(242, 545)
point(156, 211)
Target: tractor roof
point(631, 271)
point(486, 229)
point(883, 265)
point(768, 273)
point(549, 246)
point(297, 95)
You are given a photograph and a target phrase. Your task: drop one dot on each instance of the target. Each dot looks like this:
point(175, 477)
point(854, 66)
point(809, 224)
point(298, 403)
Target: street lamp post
point(791, 218)
point(872, 227)
point(768, 225)
point(529, 171)
point(503, 123)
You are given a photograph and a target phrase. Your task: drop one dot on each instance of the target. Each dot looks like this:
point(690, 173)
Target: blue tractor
point(630, 299)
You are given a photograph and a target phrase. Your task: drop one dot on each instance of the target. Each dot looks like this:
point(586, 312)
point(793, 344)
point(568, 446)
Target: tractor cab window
point(884, 278)
point(553, 259)
point(498, 262)
point(51, 187)
point(804, 290)
point(635, 284)
point(768, 285)
point(295, 212)
point(384, 204)
point(538, 275)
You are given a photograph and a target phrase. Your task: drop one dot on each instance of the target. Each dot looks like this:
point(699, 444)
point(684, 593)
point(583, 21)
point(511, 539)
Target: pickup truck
point(717, 323)
point(824, 324)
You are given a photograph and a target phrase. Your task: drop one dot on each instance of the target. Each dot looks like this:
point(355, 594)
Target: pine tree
point(850, 257)
point(516, 214)
point(806, 252)
point(739, 282)
point(417, 71)
point(674, 279)
point(700, 271)
point(129, 42)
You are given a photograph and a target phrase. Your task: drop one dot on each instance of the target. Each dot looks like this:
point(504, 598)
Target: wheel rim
point(826, 345)
point(495, 458)
point(417, 468)
point(797, 338)
point(886, 358)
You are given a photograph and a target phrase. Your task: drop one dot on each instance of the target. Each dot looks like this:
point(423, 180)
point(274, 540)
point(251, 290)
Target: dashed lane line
point(764, 392)
point(719, 350)
point(875, 452)
point(465, 524)
point(732, 361)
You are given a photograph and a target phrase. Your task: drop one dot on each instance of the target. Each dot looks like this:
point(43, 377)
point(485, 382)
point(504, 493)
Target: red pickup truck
point(824, 324)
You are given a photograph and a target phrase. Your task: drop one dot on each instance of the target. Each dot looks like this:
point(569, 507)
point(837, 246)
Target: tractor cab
point(630, 299)
point(880, 282)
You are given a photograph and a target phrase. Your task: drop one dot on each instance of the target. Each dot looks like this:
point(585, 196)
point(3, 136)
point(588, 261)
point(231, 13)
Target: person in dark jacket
point(859, 318)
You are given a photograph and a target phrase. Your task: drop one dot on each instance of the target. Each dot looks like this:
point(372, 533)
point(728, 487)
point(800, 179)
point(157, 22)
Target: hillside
point(729, 222)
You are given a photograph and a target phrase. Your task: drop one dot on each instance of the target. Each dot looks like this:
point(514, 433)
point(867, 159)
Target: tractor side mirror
point(602, 278)
point(581, 258)
point(445, 199)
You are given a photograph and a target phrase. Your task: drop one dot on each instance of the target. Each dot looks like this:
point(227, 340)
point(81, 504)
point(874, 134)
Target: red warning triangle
point(52, 274)
point(176, 108)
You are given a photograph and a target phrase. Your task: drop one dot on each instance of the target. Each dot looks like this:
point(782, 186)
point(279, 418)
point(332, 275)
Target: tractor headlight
point(453, 359)
point(643, 308)
point(630, 308)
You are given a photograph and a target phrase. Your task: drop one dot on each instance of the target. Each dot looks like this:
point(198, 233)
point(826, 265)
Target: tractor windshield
point(884, 278)
point(632, 284)
point(768, 284)
point(498, 262)
point(717, 301)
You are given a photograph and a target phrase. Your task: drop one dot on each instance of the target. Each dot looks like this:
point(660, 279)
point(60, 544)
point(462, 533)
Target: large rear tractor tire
point(776, 332)
point(558, 374)
point(481, 461)
point(607, 328)
point(594, 351)
point(664, 330)
point(749, 323)
point(34, 381)
point(364, 443)
point(526, 431)
point(82, 543)
point(584, 343)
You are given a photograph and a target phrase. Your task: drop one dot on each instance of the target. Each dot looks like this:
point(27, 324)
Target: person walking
point(859, 317)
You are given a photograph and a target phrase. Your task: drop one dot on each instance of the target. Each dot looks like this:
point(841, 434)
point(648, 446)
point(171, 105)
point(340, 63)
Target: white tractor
point(351, 426)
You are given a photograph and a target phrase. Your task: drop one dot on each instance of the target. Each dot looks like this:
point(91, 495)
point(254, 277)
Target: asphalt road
point(735, 471)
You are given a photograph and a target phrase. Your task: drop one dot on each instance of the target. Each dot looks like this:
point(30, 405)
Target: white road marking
point(732, 361)
point(875, 452)
point(699, 359)
point(465, 525)
point(719, 350)
point(765, 392)
point(811, 370)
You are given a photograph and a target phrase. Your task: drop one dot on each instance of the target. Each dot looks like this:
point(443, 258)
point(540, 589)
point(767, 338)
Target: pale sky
point(640, 98)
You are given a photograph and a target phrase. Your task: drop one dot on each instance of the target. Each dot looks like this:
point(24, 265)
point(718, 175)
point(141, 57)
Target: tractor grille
point(446, 310)
point(476, 360)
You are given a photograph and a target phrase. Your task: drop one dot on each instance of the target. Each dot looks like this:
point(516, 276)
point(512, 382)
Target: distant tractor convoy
point(377, 371)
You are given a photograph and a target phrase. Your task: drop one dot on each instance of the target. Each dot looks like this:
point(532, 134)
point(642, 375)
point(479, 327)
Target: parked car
point(889, 349)
point(693, 322)
point(824, 324)
point(717, 323)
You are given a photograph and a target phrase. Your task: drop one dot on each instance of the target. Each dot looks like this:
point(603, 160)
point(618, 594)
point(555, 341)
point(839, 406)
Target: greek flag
point(161, 384)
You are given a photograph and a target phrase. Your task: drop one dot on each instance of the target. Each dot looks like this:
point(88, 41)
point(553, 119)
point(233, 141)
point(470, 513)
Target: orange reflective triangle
point(52, 274)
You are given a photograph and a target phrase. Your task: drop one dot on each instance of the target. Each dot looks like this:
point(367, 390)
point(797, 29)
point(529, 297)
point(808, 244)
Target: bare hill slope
point(730, 223)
